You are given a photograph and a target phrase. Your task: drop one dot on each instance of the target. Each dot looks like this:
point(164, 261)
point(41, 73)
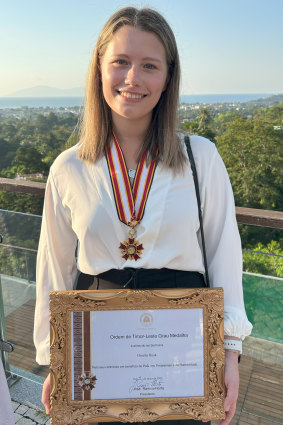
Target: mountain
point(46, 91)
point(270, 100)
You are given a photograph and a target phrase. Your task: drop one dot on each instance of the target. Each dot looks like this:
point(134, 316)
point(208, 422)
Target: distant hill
point(46, 91)
point(270, 100)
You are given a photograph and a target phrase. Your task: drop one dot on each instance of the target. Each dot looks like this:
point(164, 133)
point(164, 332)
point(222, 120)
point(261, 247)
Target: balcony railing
point(250, 216)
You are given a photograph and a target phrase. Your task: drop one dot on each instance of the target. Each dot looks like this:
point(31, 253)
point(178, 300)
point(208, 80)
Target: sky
point(225, 46)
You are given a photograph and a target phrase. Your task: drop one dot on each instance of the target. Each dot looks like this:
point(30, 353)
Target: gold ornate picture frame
point(136, 355)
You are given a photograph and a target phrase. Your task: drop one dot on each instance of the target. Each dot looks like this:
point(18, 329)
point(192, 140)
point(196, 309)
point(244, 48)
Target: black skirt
point(144, 279)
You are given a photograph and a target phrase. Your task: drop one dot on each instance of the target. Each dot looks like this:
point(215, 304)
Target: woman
point(130, 124)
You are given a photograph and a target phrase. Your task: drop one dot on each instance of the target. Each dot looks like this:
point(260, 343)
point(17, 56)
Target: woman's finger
point(229, 415)
point(45, 397)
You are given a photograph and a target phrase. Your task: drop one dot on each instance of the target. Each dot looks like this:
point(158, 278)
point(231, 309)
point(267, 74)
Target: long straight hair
point(96, 125)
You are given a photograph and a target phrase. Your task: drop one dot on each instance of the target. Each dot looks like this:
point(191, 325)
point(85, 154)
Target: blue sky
point(226, 46)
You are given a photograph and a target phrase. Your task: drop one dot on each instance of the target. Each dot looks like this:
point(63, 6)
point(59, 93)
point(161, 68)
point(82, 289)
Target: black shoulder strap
point(195, 176)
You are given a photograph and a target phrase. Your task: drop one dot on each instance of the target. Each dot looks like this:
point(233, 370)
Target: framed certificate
point(136, 355)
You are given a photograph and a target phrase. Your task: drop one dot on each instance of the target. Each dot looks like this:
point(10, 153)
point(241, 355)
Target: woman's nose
point(132, 77)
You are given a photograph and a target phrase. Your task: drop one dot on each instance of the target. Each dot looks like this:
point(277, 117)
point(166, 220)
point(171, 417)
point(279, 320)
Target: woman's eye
point(120, 62)
point(150, 66)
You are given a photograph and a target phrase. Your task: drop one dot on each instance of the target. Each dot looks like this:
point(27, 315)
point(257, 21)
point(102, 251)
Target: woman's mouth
point(129, 95)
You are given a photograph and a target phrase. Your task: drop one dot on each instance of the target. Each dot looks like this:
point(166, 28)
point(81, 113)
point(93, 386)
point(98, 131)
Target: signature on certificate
point(142, 383)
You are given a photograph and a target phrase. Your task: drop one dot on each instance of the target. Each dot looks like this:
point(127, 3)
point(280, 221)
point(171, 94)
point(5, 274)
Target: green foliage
point(28, 160)
point(29, 146)
point(32, 144)
point(270, 265)
point(252, 152)
point(272, 115)
point(252, 235)
point(21, 202)
point(20, 241)
point(202, 125)
point(7, 153)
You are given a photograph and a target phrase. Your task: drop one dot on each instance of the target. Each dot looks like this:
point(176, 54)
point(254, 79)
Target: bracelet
point(233, 344)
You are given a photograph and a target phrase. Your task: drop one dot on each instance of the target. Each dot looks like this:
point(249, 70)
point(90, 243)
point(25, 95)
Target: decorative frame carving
point(64, 410)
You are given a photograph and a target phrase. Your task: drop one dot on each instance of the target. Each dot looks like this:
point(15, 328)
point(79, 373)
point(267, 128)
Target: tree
point(270, 265)
point(28, 160)
point(21, 202)
point(7, 153)
point(202, 125)
point(251, 150)
point(41, 123)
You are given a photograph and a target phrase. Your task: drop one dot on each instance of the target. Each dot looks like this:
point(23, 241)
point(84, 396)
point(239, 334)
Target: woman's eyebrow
point(148, 58)
point(152, 59)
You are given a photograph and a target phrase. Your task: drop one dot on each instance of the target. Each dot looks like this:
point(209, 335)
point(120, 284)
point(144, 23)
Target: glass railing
point(18, 251)
point(263, 294)
point(264, 305)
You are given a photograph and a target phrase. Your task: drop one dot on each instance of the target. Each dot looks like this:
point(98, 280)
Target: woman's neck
point(130, 136)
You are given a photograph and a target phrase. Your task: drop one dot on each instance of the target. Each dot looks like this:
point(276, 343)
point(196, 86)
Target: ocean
point(222, 98)
point(68, 102)
point(40, 102)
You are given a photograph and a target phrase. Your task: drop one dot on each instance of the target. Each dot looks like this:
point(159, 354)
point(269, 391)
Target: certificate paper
point(130, 354)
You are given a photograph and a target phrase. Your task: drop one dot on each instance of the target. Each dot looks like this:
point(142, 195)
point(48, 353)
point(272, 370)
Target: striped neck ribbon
point(130, 201)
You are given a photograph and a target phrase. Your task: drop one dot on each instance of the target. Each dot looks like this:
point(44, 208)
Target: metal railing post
point(5, 347)
point(4, 354)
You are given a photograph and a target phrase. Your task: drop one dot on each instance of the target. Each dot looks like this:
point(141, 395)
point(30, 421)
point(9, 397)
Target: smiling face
point(134, 74)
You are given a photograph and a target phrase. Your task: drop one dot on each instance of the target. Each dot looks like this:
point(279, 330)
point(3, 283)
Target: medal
point(131, 249)
point(87, 381)
point(130, 201)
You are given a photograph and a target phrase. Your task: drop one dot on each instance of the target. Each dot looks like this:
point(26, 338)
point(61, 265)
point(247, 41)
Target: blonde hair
point(96, 125)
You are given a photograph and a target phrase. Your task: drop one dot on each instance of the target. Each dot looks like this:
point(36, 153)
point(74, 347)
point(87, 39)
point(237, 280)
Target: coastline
point(67, 102)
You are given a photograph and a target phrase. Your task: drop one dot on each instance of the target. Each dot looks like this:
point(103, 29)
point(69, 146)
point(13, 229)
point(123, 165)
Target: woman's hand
point(232, 385)
point(45, 398)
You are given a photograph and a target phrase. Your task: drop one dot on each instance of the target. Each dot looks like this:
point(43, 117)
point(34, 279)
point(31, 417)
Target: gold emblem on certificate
point(146, 319)
point(130, 201)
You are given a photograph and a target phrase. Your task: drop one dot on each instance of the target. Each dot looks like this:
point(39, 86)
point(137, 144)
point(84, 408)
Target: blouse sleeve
point(56, 264)
point(223, 245)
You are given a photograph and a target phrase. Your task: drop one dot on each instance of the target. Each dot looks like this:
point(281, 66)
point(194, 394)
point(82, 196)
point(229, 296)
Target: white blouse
point(80, 206)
